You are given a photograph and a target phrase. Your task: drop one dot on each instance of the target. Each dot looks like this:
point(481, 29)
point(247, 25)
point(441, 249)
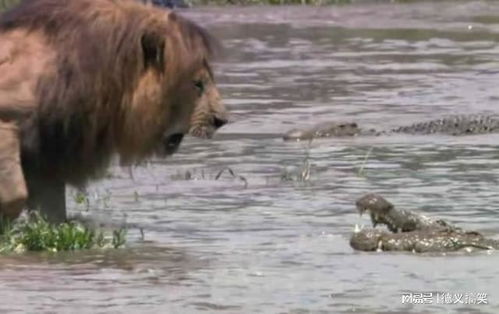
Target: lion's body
point(85, 80)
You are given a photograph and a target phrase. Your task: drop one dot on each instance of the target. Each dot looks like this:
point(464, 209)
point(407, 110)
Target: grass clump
point(34, 233)
point(7, 4)
point(360, 172)
point(299, 174)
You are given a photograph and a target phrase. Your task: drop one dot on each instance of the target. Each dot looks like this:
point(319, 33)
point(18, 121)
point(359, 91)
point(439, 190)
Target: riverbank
point(5, 4)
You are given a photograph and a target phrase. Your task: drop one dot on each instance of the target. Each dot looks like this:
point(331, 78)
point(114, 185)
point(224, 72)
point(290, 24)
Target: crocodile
point(411, 231)
point(452, 125)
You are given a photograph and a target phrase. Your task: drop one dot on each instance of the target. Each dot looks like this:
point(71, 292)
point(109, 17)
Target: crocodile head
point(377, 206)
point(327, 129)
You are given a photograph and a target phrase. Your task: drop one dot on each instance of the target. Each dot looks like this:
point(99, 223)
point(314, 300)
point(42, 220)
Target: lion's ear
point(153, 47)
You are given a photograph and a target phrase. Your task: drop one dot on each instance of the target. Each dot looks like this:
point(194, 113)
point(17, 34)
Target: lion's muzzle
point(207, 130)
point(219, 121)
point(172, 142)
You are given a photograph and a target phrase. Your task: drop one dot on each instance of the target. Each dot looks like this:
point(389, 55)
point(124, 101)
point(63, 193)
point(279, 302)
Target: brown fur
point(13, 192)
point(87, 79)
point(210, 112)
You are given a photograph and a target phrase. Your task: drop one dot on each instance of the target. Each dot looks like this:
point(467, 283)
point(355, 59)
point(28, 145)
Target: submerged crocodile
point(410, 231)
point(452, 125)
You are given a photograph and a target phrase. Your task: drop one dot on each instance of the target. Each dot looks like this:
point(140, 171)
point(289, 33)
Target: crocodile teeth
point(357, 228)
point(380, 246)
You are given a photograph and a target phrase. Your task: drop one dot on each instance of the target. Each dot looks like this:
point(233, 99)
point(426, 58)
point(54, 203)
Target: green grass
point(36, 234)
point(360, 172)
point(301, 174)
point(6, 4)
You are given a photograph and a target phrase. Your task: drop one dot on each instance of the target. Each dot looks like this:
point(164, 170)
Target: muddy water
point(253, 243)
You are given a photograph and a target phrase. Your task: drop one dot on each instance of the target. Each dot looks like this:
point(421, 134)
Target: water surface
point(256, 244)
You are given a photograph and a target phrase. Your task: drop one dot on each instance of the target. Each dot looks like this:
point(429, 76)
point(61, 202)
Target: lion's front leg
point(13, 191)
point(48, 196)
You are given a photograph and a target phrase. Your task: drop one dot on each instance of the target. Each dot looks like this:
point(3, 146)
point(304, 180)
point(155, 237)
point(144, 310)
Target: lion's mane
point(101, 95)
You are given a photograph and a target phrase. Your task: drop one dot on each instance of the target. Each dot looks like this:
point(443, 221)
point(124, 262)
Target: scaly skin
point(420, 241)
point(410, 231)
point(397, 220)
point(454, 125)
point(329, 129)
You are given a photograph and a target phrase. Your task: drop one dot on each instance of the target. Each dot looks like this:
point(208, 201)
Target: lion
point(210, 113)
point(84, 81)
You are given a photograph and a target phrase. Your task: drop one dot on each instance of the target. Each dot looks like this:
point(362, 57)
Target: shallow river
point(256, 243)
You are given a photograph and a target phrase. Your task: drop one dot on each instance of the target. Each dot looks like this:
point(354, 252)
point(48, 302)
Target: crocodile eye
point(199, 84)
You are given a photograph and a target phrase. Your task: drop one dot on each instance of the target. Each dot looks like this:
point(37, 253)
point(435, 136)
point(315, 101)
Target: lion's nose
point(172, 142)
point(219, 122)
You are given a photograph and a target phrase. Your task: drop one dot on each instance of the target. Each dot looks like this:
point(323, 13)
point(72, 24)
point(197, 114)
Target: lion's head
point(209, 113)
point(112, 78)
point(188, 98)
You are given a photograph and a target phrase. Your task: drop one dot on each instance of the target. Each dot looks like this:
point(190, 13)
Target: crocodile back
point(454, 125)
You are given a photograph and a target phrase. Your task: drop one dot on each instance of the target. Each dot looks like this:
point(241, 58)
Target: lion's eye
point(199, 85)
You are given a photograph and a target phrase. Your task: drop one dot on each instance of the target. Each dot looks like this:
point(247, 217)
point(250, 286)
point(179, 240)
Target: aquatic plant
point(297, 174)
point(301, 173)
point(360, 172)
point(195, 174)
point(34, 233)
point(233, 174)
point(6, 4)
